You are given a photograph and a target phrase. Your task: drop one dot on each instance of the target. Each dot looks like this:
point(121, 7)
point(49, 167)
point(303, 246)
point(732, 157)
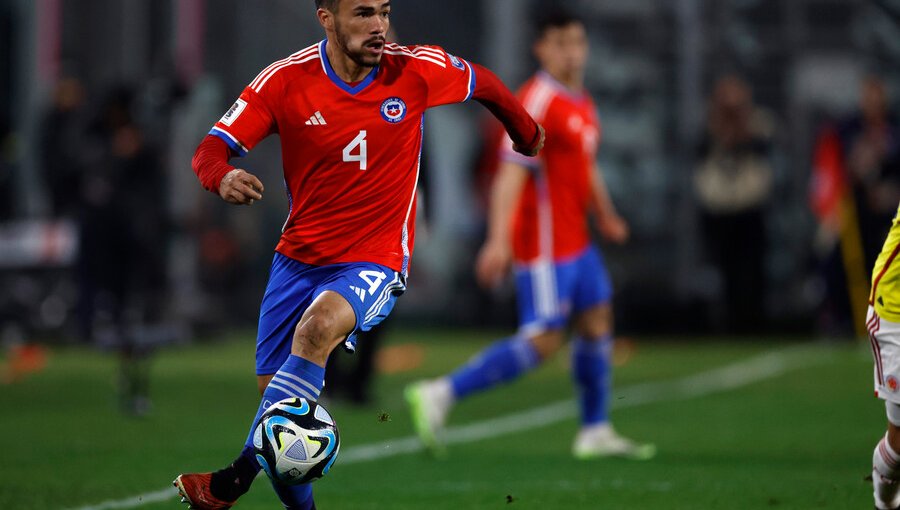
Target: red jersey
point(551, 220)
point(351, 152)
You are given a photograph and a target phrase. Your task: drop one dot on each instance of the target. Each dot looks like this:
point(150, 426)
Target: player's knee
point(315, 334)
point(893, 413)
point(596, 323)
point(547, 344)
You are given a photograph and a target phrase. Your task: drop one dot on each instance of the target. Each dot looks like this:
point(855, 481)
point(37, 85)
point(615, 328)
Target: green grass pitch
point(798, 436)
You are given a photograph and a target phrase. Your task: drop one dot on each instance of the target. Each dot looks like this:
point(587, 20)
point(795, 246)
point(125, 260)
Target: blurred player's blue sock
point(501, 362)
point(590, 368)
point(297, 377)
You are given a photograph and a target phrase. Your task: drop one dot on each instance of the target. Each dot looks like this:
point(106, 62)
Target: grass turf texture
point(799, 440)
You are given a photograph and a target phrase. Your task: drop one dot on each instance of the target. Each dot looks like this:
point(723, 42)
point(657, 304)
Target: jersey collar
point(560, 88)
point(329, 71)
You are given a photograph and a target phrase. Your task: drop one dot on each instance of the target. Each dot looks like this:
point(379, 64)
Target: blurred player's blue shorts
point(371, 289)
point(550, 292)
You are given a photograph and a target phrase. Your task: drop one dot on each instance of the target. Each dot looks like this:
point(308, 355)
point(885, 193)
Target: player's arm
point(244, 125)
point(234, 185)
point(611, 225)
point(495, 256)
point(527, 135)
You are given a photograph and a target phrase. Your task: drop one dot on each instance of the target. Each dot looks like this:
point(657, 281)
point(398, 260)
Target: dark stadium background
point(129, 295)
point(652, 69)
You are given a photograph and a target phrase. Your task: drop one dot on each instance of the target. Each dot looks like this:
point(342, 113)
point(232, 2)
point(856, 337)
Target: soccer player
point(349, 113)
point(538, 220)
point(883, 323)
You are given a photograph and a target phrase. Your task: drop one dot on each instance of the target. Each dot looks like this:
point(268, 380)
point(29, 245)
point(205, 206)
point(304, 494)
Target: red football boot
point(194, 490)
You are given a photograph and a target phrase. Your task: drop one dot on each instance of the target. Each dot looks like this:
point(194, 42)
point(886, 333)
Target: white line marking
point(143, 499)
point(718, 380)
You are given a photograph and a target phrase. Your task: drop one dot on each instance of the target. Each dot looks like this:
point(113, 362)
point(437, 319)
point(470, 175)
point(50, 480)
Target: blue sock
point(591, 369)
point(295, 497)
point(297, 377)
point(502, 361)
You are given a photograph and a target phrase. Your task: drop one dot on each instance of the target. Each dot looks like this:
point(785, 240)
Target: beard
point(357, 55)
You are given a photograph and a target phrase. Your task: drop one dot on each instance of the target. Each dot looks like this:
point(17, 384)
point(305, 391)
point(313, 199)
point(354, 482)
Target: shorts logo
point(393, 110)
point(892, 383)
point(234, 112)
point(457, 63)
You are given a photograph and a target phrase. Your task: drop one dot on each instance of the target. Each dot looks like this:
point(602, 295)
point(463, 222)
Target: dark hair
point(556, 18)
point(331, 5)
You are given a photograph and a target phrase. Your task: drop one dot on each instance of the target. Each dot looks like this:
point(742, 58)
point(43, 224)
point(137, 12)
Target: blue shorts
point(550, 292)
point(371, 289)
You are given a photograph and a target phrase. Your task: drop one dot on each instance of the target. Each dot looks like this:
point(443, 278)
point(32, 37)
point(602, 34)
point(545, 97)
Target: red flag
point(829, 177)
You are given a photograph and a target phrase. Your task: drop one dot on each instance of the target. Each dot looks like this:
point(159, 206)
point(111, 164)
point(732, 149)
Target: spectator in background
point(60, 139)
point(123, 237)
point(733, 182)
point(871, 146)
point(855, 188)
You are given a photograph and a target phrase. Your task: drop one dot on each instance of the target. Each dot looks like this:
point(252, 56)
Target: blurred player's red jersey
point(551, 219)
point(351, 152)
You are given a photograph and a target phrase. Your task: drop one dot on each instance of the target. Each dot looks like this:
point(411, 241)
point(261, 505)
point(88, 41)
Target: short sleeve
point(246, 123)
point(450, 79)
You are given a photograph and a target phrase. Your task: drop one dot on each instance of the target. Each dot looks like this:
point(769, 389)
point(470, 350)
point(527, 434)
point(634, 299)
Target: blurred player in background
point(538, 221)
point(349, 111)
point(883, 323)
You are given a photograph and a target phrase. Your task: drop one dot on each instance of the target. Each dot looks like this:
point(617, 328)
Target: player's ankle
point(234, 481)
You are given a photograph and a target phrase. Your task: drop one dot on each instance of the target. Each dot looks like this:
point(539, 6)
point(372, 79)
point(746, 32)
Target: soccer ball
point(296, 441)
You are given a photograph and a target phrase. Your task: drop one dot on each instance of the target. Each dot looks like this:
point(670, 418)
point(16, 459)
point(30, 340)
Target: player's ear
point(326, 19)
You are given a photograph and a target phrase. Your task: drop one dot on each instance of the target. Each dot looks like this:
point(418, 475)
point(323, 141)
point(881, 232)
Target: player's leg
point(287, 302)
point(884, 337)
point(355, 298)
point(592, 364)
point(541, 295)
point(324, 325)
point(501, 362)
point(886, 463)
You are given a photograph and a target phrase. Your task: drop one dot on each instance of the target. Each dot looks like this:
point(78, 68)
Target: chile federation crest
point(393, 110)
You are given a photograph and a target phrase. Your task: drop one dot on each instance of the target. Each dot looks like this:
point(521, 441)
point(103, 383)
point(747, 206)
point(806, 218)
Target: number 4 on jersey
point(363, 156)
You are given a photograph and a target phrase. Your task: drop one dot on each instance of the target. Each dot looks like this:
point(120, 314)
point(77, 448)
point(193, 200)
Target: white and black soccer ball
point(296, 441)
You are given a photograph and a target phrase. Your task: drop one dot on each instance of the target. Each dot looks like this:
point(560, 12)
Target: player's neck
point(345, 67)
point(572, 83)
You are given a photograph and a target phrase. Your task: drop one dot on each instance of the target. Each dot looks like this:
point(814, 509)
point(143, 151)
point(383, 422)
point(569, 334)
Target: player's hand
point(494, 261)
point(613, 228)
point(240, 187)
point(532, 151)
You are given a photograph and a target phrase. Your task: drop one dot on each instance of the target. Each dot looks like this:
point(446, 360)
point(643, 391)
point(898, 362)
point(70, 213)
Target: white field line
point(719, 380)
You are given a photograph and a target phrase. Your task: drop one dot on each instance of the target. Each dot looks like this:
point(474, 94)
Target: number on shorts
point(373, 278)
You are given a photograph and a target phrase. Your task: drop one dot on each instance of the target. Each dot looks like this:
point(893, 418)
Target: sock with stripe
point(501, 362)
point(885, 476)
point(297, 377)
point(590, 368)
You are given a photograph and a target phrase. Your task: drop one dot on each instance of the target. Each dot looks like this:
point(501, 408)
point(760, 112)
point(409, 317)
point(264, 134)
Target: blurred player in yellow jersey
point(883, 323)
